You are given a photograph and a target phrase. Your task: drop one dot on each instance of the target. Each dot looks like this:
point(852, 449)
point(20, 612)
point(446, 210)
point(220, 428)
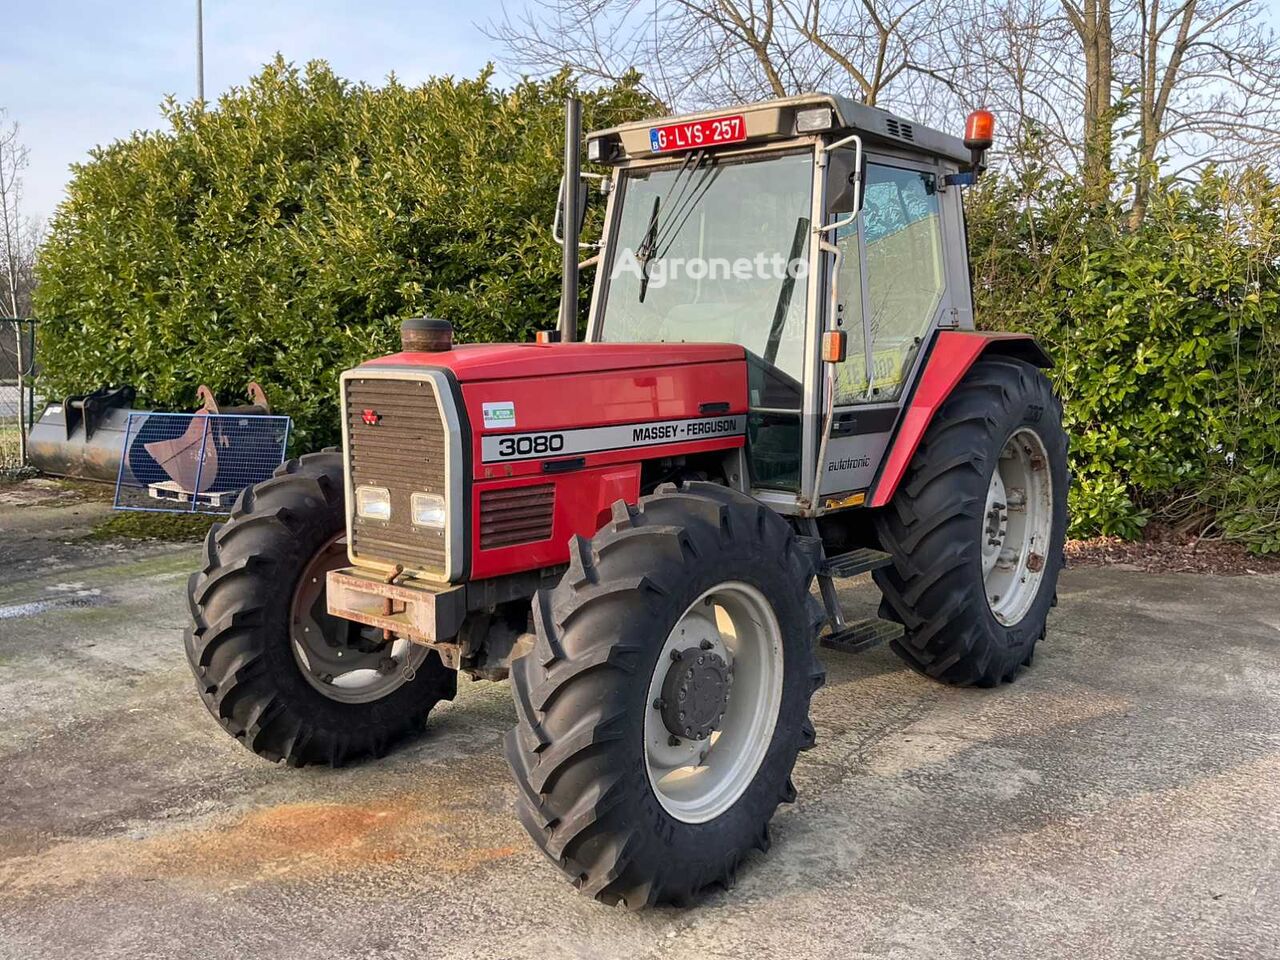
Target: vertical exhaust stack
point(569, 195)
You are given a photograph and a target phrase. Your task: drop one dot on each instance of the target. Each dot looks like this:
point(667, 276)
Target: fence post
point(204, 439)
point(22, 413)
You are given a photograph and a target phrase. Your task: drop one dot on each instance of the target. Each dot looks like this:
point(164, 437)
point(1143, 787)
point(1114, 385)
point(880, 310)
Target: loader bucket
point(82, 437)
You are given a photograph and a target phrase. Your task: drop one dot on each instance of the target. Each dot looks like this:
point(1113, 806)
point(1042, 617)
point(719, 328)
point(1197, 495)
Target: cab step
point(855, 563)
point(862, 635)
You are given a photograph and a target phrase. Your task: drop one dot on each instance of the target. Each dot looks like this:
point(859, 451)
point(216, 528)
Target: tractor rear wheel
point(976, 528)
point(661, 709)
point(274, 668)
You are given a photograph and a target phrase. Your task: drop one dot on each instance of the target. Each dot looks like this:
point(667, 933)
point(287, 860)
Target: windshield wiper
point(783, 306)
point(682, 202)
point(644, 253)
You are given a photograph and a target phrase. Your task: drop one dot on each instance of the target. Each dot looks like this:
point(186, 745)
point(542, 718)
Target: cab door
point(894, 287)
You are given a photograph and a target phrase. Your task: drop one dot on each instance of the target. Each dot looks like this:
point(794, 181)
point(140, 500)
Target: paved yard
point(1120, 800)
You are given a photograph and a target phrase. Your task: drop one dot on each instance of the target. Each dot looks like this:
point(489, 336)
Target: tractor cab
point(770, 226)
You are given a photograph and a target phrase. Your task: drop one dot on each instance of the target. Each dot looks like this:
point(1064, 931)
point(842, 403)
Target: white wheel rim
point(1016, 526)
point(697, 780)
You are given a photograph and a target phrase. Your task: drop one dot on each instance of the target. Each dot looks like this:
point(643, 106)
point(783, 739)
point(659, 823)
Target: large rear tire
point(689, 613)
point(282, 676)
point(976, 528)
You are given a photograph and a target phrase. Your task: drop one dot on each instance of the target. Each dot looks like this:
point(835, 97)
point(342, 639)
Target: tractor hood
point(472, 363)
point(527, 444)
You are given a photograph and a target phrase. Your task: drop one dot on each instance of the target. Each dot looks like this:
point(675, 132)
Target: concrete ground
point(1122, 799)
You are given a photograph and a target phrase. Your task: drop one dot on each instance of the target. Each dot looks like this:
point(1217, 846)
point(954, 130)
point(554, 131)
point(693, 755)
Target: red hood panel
point(507, 361)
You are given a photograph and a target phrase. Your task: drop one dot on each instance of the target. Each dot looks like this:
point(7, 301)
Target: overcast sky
point(76, 73)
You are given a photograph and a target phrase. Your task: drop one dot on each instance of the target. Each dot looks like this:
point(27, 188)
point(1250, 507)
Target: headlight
point(428, 509)
point(373, 503)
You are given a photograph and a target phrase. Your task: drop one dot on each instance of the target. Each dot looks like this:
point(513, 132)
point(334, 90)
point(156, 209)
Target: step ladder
point(851, 636)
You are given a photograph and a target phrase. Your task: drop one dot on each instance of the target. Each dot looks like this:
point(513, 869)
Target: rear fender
point(953, 353)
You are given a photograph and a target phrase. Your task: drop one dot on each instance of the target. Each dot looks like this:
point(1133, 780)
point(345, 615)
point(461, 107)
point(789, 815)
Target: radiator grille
point(404, 451)
point(522, 515)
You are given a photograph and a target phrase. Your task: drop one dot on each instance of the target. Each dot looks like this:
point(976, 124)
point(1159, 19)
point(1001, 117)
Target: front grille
point(521, 515)
point(403, 450)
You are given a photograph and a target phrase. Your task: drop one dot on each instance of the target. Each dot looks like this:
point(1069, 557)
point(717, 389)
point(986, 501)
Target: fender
point(953, 353)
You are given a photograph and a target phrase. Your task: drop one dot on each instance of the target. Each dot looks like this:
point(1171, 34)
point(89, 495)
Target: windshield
point(715, 251)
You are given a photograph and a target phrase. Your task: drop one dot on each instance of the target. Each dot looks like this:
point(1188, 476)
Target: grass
point(170, 527)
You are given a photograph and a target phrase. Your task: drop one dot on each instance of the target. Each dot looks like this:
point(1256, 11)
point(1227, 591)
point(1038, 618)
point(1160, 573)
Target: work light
point(427, 510)
point(813, 120)
point(373, 503)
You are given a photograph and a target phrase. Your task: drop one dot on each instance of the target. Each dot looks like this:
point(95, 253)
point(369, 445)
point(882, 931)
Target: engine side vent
point(519, 515)
point(896, 128)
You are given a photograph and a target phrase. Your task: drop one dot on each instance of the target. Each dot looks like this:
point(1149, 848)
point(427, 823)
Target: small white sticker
point(498, 416)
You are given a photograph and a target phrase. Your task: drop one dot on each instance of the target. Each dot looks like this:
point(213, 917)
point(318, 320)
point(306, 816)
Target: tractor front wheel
point(282, 675)
point(976, 529)
point(661, 709)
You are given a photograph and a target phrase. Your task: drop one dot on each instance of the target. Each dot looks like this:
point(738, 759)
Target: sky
point(78, 73)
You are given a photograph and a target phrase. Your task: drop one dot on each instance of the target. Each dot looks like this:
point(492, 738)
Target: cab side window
point(891, 268)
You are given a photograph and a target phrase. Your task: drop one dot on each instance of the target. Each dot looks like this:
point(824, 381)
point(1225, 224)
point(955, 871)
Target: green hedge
point(281, 236)
point(1167, 342)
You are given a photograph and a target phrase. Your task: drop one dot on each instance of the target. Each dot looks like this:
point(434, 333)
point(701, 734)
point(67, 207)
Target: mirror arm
point(857, 179)
point(556, 220)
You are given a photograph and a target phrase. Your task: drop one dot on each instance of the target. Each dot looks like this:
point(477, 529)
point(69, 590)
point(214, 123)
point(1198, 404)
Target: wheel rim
point(1016, 526)
point(733, 696)
point(345, 661)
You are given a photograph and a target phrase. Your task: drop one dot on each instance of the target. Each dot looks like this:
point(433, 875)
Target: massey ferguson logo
point(370, 416)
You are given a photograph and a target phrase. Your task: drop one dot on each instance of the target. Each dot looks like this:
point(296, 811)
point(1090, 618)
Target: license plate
point(697, 133)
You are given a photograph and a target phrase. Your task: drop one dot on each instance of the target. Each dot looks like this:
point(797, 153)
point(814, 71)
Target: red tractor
point(780, 382)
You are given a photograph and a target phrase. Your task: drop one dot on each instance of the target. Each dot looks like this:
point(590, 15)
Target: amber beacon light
point(979, 130)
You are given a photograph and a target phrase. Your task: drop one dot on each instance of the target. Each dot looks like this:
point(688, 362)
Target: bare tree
point(17, 233)
point(693, 53)
point(1091, 21)
point(1190, 81)
point(19, 238)
point(1206, 75)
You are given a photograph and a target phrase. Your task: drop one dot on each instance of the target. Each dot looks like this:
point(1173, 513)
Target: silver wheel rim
point(1016, 526)
point(347, 662)
point(697, 780)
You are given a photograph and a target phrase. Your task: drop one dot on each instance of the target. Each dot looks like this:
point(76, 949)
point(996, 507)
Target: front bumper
point(423, 612)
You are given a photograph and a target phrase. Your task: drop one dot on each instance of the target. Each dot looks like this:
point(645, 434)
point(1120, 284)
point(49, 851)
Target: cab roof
point(776, 120)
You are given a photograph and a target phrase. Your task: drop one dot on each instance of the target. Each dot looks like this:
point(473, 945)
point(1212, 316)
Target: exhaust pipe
point(569, 197)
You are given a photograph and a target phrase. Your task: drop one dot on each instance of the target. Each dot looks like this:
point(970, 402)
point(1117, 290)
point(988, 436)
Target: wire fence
point(18, 390)
point(196, 462)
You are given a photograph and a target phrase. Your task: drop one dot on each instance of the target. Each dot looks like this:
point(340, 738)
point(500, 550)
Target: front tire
point(975, 558)
point(700, 571)
point(282, 676)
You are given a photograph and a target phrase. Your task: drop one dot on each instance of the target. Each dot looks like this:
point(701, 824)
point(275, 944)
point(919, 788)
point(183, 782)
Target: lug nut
point(659, 704)
point(676, 655)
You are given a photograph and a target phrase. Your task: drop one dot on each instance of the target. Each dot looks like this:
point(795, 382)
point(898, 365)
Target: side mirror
point(845, 177)
point(580, 211)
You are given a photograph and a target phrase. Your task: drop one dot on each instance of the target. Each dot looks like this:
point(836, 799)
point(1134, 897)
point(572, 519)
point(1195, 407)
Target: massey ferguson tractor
point(780, 382)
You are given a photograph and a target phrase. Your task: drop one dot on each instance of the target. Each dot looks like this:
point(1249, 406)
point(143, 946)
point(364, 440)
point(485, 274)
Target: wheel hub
point(695, 693)
point(345, 661)
point(714, 696)
point(1016, 527)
